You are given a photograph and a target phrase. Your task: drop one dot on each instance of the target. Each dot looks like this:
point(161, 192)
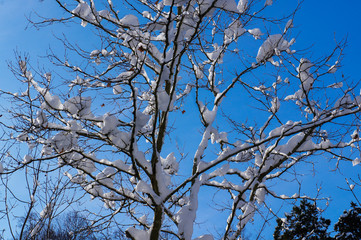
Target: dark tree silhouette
point(72, 226)
point(304, 222)
point(348, 226)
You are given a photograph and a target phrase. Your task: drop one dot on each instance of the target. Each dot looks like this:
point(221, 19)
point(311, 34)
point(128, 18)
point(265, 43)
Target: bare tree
point(116, 123)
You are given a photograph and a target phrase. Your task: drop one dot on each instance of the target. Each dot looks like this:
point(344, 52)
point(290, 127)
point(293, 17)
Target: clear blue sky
point(318, 23)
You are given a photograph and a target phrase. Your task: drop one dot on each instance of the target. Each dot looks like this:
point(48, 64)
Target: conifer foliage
point(304, 222)
point(348, 226)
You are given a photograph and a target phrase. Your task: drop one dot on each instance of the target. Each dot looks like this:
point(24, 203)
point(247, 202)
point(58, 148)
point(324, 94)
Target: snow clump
point(273, 45)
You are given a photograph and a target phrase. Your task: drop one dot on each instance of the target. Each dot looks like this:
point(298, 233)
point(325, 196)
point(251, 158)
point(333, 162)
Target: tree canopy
point(348, 225)
point(304, 222)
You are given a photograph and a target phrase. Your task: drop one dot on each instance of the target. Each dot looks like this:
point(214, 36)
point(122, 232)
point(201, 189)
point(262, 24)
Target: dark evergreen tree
point(348, 226)
point(73, 226)
point(304, 222)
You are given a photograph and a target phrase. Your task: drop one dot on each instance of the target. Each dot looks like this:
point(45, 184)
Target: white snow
point(228, 5)
point(94, 189)
point(51, 102)
point(242, 5)
point(109, 124)
point(260, 194)
point(138, 233)
point(109, 199)
point(104, 52)
point(94, 53)
point(78, 161)
point(46, 212)
point(187, 214)
point(41, 119)
point(147, 14)
point(255, 32)
point(268, 2)
point(289, 25)
point(248, 213)
point(333, 68)
point(258, 159)
point(119, 164)
point(80, 106)
point(170, 164)
point(129, 21)
point(117, 89)
point(105, 14)
point(343, 101)
point(23, 137)
point(63, 141)
point(304, 71)
point(218, 137)
point(356, 162)
point(216, 54)
point(106, 177)
point(143, 219)
point(233, 31)
point(46, 150)
point(119, 139)
point(209, 116)
point(143, 187)
point(205, 237)
point(326, 144)
point(305, 75)
point(163, 100)
point(139, 155)
point(275, 105)
point(336, 85)
point(84, 11)
point(220, 171)
point(175, 2)
point(79, 178)
point(141, 120)
point(296, 195)
point(35, 230)
point(272, 44)
point(27, 158)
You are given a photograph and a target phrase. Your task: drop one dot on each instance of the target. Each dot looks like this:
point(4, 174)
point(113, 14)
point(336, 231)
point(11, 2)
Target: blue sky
point(318, 24)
